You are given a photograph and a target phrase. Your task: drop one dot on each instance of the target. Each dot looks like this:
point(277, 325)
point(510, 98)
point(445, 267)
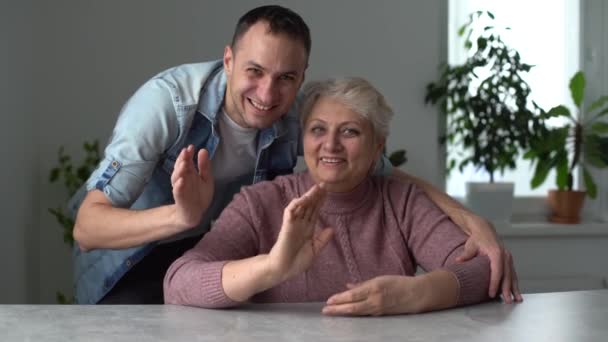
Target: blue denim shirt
point(175, 108)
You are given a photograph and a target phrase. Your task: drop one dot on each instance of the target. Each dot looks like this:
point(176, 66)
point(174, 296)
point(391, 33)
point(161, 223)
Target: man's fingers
point(204, 164)
point(516, 291)
point(507, 280)
point(469, 252)
point(496, 272)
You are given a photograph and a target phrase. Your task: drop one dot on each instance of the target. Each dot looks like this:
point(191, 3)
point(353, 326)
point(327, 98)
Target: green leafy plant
point(581, 140)
point(72, 177)
point(485, 100)
point(398, 157)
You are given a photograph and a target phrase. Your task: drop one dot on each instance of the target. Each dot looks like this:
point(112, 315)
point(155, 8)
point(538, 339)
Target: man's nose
point(267, 90)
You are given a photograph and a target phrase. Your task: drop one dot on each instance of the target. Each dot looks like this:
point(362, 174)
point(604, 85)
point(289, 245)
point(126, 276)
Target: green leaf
point(529, 155)
point(577, 88)
point(589, 183)
point(540, 174)
point(597, 103)
point(54, 175)
point(490, 14)
point(561, 169)
point(398, 158)
point(560, 110)
point(462, 29)
point(600, 127)
point(600, 114)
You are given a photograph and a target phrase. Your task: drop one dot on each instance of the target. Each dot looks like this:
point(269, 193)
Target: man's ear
point(228, 59)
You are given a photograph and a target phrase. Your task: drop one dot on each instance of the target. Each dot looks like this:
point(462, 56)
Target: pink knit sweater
point(382, 227)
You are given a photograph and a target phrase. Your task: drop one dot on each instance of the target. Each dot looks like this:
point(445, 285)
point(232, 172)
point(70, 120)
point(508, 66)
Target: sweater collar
point(343, 202)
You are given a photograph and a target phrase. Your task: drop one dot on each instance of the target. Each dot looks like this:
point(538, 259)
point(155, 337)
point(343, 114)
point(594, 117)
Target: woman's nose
point(332, 142)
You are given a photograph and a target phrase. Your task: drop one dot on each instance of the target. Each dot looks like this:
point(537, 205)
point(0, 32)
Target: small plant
point(580, 141)
point(485, 100)
point(398, 158)
point(72, 177)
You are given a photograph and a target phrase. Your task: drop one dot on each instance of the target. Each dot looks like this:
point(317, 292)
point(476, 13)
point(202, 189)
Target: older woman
point(334, 233)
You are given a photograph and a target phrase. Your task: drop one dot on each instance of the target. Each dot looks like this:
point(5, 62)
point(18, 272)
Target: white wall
point(91, 55)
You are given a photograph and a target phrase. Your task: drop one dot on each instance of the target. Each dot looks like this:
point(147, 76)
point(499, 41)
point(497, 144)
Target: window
point(546, 33)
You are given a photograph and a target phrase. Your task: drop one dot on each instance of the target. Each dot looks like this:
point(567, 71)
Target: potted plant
point(488, 112)
point(581, 141)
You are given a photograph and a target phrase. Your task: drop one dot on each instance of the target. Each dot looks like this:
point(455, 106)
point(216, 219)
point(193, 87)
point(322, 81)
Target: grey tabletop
point(564, 316)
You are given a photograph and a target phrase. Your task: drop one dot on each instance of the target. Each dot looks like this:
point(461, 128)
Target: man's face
point(264, 72)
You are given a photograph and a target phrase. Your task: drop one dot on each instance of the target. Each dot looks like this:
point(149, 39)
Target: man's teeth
point(259, 106)
point(331, 160)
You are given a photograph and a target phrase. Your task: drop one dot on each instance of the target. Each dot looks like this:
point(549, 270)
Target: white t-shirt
point(235, 155)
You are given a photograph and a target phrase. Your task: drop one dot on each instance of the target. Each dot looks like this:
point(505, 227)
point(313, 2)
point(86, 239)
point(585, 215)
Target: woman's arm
point(204, 276)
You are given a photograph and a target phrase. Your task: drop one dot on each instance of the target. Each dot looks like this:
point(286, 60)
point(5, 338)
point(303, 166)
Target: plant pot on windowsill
point(493, 201)
point(565, 206)
point(582, 141)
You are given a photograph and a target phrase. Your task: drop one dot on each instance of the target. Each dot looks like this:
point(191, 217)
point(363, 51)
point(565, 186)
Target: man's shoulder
point(282, 188)
point(187, 71)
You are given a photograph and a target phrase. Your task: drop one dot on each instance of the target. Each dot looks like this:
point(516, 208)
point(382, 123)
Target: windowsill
point(548, 229)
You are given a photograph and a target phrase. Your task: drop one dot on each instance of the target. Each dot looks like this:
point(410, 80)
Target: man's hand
point(297, 243)
point(383, 295)
point(192, 190)
point(484, 241)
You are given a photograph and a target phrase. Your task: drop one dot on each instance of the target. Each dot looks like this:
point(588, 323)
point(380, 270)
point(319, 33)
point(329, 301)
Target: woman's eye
point(350, 132)
point(317, 130)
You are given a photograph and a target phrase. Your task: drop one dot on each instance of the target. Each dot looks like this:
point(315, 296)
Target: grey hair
point(357, 94)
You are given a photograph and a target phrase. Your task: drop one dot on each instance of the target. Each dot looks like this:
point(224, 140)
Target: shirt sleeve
point(146, 127)
point(435, 242)
point(195, 279)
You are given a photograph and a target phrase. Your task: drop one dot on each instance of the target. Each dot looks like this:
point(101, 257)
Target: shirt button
point(114, 164)
point(129, 263)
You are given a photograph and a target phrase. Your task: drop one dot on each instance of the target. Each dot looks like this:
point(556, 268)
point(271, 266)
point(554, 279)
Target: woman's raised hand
point(299, 241)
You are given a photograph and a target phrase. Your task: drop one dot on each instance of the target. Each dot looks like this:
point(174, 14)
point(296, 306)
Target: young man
point(239, 113)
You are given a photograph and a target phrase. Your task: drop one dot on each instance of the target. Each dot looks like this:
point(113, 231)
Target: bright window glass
point(547, 35)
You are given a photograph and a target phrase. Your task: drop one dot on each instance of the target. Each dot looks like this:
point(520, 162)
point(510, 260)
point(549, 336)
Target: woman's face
point(339, 145)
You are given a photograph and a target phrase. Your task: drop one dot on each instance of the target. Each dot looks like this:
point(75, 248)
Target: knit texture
point(382, 227)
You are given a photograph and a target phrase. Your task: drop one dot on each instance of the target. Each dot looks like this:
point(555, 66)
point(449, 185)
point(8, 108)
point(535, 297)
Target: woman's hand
point(389, 295)
point(297, 243)
point(483, 241)
point(382, 295)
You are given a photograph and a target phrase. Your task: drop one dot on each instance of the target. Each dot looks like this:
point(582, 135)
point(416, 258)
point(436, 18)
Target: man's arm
point(101, 225)
point(482, 239)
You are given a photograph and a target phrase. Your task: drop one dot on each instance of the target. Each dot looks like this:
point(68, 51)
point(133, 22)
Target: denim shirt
point(175, 108)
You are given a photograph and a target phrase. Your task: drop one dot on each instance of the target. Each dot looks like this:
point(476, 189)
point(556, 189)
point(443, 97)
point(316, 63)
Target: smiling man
point(236, 120)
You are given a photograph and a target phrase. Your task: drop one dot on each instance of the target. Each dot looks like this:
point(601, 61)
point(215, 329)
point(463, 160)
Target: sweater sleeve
point(435, 242)
point(195, 279)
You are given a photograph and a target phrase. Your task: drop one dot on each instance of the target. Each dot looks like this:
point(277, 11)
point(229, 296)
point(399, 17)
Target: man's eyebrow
point(258, 66)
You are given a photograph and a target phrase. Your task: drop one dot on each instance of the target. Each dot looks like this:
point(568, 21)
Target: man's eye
point(254, 71)
point(287, 78)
